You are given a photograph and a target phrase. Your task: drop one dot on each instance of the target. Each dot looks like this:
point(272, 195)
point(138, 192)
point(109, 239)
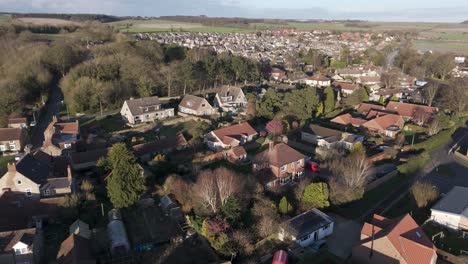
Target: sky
point(373, 10)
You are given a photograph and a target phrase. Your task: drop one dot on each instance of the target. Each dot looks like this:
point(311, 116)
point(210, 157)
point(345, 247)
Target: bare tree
point(228, 183)
point(206, 189)
point(424, 193)
point(455, 96)
point(353, 171)
point(434, 127)
point(431, 91)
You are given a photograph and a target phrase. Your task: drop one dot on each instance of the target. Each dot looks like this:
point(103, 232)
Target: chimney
point(271, 145)
point(27, 150)
point(69, 174)
point(11, 167)
point(54, 119)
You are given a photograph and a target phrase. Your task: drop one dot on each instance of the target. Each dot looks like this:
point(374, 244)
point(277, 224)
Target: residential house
point(194, 105)
point(406, 81)
point(37, 175)
point(349, 72)
point(328, 138)
point(60, 136)
point(307, 228)
point(419, 114)
point(160, 146)
point(231, 136)
point(19, 122)
point(318, 81)
point(230, 99)
point(236, 155)
point(388, 125)
point(21, 246)
point(143, 110)
point(278, 74)
point(279, 164)
point(460, 59)
point(386, 240)
point(76, 248)
point(368, 80)
point(386, 94)
point(297, 77)
point(347, 119)
point(452, 210)
point(346, 88)
point(12, 139)
point(87, 159)
point(365, 108)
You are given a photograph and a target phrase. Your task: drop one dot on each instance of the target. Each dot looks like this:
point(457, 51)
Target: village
point(339, 161)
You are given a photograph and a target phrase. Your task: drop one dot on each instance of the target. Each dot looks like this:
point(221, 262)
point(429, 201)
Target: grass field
point(5, 18)
point(442, 46)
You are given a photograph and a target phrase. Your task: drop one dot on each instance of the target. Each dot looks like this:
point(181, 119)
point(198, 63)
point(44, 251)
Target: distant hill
point(464, 22)
point(71, 17)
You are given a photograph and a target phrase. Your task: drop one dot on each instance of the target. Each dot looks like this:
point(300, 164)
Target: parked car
point(312, 166)
point(280, 257)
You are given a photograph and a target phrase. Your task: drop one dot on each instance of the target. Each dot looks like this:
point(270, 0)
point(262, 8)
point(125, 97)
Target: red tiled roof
point(280, 155)
point(228, 134)
point(348, 119)
point(238, 151)
point(346, 86)
point(19, 120)
point(9, 239)
point(10, 134)
point(385, 121)
point(411, 110)
point(68, 128)
point(319, 78)
point(365, 108)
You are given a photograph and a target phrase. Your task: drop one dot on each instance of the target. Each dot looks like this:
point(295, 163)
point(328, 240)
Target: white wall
point(446, 219)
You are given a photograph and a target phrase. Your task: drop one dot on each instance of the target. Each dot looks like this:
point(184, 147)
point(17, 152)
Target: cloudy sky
point(376, 10)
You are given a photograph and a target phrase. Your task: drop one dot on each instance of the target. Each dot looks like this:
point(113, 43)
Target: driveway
point(346, 234)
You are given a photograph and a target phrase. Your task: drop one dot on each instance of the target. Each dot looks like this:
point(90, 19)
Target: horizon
point(451, 11)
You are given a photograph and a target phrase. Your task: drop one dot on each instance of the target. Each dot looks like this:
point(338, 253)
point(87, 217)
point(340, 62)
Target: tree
point(315, 196)
point(455, 96)
point(430, 92)
point(434, 127)
point(381, 100)
point(424, 193)
point(274, 127)
point(126, 183)
point(329, 102)
point(301, 103)
point(394, 98)
point(228, 183)
point(232, 210)
point(61, 57)
point(207, 190)
point(358, 149)
point(170, 77)
point(284, 207)
point(270, 104)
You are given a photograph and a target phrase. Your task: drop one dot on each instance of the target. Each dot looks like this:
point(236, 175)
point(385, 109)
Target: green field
point(5, 17)
point(460, 47)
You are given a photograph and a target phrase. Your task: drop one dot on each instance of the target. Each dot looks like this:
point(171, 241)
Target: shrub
point(424, 193)
point(284, 207)
point(315, 196)
point(341, 194)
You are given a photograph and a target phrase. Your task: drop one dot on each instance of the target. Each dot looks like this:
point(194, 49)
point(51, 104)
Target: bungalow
point(365, 108)
point(20, 122)
point(60, 136)
point(278, 74)
point(318, 81)
point(386, 94)
point(307, 228)
point(231, 136)
point(37, 175)
point(349, 72)
point(230, 99)
point(406, 81)
point(345, 88)
point(368, 80)
point(388, 125)
point(21, 246)
point(87, 159)
point(329, 138)
point(163, 145)
point(279, 164)
point(12, 139)
point(386, 240)
point(194, 105)
point(297, 77)
point(348, 119)
point(419, 114)
point(236, 155)
point(142, 110)
point(452, 210)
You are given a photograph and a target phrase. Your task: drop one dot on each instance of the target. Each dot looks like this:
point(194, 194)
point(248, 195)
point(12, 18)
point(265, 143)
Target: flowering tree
point(274, 127)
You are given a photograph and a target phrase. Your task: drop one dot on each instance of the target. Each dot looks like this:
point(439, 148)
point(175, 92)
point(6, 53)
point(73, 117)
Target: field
point(44, 21)
point(4, 18)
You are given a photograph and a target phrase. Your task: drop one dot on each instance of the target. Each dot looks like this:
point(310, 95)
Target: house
point(364, 108)
point(452, 210)
point(318, 81)
point(386, 94)
point(143, 110)
point(349, 72)
point(278, 74)
point(368, 80)
point(21, 246)
point(19, 122)
point(12, 139)
point(345, 88)
point(194, 105)
point(297, 77)
point(406, 81)
point(460, 59)
point(37, 175)
point(236, 155)
point(388, 125)
point(386, 240)
point(419, 114)
point(60, 136)
point(326, 137)
point(307, 228)
point(87, 159)
point(230, 99)
point(160, 146)
point(279, 164)
point(347, 119)
point(75, 249)
point(231, 136)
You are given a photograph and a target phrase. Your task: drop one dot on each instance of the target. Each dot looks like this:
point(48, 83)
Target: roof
point(407, 238)
point(319, 78)
point(73, 250)
point(308, 222)
point(277, 70)
point(138, 106)
point(386, 121)
point(159, 145)
point(193, 102)
point(228, 91)
point(348, 119)
point(10, 134)
point(19, 120)
point(238, 151)
point(369, 79)
point(281, 154)
point(9, 239)
point(228, 134)
point(365, 107)
point(88, 156)
point(68, 127)
point(322, 132)
point(348, 71)
point(455, 201)
point(297, 75)
point(33, 169)
point(410, 110)
point(386, 92)
point(346, 86)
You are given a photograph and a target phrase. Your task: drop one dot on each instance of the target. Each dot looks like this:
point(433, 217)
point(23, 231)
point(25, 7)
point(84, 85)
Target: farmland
point(4, 18)
point(442, 46)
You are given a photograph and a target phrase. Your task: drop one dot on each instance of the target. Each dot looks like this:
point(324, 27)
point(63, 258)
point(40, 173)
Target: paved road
point(52, 108)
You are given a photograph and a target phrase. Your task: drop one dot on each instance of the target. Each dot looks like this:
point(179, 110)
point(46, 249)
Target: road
point(52, 108)
point(391, 58)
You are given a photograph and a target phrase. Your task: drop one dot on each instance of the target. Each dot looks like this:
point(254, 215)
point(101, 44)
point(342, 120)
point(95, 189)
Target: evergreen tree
point(315, 195)
point(125, 184)
point(329, 102)
point(394, 98)
point(319, 111)
point(381, 100)
point(284, 206)
point(358, 149)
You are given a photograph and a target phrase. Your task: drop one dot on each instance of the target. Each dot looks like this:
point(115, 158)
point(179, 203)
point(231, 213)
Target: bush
point(231, 210)
point(315, 196)
point(414, 164)
point(284, 207)
point(341, 194)
point(424, 193)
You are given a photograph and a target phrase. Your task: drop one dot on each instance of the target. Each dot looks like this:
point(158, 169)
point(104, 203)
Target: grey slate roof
point(137, 106)
point(192, 102)
point(308, 222)
point(33, 169)
point(455, 201)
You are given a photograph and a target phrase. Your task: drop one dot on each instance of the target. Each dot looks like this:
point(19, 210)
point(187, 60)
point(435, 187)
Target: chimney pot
point(11, 167)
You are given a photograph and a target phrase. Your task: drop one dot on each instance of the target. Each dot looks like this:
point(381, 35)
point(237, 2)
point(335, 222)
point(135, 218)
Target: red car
point(314, 167)
point(280, 257)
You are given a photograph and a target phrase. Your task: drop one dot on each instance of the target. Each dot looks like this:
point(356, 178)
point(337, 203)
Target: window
point(21, 251)
point(12, 142)
point(12, 147)
point(283, 168)
point(46, 192)
point(67, 145)
point(28, 192)
point(299, 162)
point(147, 116)
point(2, 148)
point(305, 238)
point(19, 182)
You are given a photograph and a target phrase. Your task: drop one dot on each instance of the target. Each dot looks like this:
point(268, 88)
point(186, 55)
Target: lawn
point(110, 123)
point(451, 242)
point(460, 47)
point(357, 208)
